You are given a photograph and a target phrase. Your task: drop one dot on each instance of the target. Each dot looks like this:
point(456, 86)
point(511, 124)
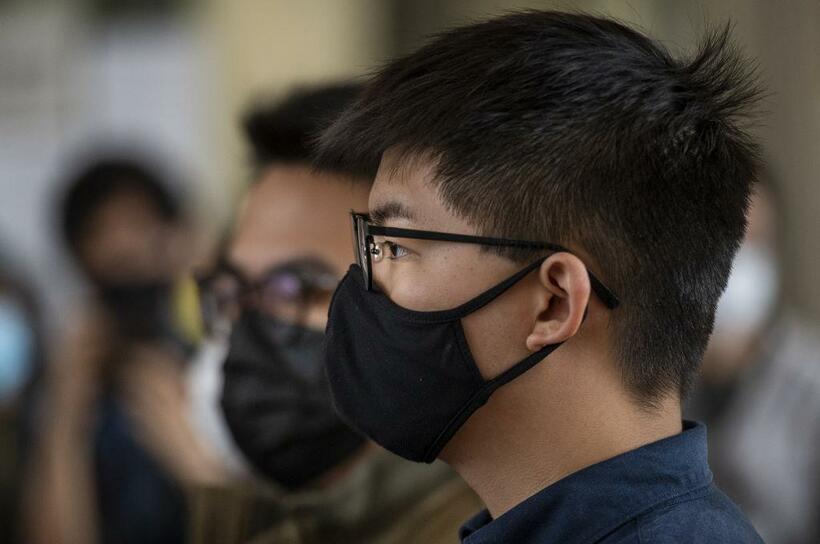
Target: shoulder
point(704, 516)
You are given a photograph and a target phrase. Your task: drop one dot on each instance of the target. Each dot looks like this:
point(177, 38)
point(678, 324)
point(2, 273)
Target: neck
point(554, 420)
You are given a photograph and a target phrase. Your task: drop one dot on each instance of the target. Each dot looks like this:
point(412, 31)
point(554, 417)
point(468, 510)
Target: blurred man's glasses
point(367, 250)
point(284, 293)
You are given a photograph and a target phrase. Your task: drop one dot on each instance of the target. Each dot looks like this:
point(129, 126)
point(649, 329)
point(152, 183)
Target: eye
point(395, 251)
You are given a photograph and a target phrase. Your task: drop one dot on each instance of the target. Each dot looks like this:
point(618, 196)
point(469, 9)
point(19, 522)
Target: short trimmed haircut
point(579, 130)
point(285, 131)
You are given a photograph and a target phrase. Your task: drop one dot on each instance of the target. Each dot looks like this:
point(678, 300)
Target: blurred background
point(166, 82)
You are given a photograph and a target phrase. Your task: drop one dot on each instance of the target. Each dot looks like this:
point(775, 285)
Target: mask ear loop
point(496, 291)
point(482, 395)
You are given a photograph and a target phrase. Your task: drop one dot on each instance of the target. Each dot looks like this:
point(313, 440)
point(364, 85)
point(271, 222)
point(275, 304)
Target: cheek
point(440, 280)
point(417, 292)
point(431, 291)
point(497, 333)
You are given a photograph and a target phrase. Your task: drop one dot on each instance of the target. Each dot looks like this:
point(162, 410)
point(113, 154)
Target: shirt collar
point(597, 499)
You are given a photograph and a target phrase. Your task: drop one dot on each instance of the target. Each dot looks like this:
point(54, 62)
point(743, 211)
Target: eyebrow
point(391, 209)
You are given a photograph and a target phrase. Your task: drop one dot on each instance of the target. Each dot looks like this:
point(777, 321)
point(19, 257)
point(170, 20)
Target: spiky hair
point(579, 130)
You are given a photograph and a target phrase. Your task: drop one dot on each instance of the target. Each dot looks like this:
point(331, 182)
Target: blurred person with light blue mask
point(16, 348)
point(20, 358)
point(759, 390)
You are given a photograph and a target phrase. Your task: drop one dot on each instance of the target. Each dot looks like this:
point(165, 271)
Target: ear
point(564, 293)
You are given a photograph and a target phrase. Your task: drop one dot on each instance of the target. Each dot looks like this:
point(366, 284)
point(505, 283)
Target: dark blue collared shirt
point(659, 493)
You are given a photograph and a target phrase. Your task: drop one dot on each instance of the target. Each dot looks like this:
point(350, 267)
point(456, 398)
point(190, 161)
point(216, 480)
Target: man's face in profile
point(433, 275)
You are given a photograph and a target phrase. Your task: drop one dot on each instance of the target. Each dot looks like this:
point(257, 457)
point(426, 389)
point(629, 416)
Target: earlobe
point(563, 282)
point(537, 341)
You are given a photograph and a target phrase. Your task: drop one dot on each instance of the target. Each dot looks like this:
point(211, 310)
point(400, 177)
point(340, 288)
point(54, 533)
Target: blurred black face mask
point(141, 310)
point(277, 403)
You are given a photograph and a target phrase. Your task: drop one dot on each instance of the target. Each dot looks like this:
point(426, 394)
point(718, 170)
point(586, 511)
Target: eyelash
point(394, 248)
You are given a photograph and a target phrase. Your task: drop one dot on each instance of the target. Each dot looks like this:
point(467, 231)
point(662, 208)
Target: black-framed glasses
point(283, 293)
point(367, 250)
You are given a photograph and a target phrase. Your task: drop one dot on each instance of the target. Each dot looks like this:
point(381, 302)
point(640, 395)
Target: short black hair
point(285, 131)
point(579, 130)
point(102, 179)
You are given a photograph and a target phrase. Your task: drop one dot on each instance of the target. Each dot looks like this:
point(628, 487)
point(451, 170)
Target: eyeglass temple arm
point(604, 293)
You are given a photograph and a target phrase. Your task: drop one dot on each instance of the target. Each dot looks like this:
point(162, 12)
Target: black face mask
point(277, 402)
point(406, 378)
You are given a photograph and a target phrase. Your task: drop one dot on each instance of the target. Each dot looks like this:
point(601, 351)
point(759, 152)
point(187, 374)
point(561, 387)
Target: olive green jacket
point(382, 500)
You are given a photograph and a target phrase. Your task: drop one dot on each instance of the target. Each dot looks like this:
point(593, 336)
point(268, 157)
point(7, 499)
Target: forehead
point(127, 205)
point(294, 212)
point(405, 193)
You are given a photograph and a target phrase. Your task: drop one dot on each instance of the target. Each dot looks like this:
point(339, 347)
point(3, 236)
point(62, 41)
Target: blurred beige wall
point(265, 47)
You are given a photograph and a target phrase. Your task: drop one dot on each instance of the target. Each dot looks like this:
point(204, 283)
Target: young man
point(556, 206)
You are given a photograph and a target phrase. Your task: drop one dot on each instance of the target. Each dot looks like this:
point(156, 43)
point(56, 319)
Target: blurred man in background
point(271, 287)
point(759, 391)
point(116, 449)
point(20, 360)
